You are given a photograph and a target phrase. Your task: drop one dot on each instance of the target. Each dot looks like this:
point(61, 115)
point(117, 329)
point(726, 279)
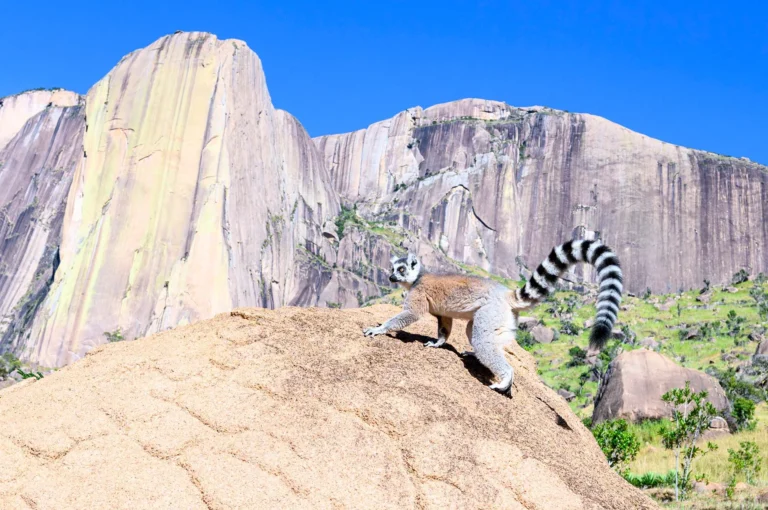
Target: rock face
point(636, 380)
point(193, 196)
point(177, 191)
point(270, 409)
point(36, 169)
point(496, 186)
point(16, 110)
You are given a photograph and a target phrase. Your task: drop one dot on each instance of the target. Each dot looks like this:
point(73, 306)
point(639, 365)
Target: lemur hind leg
point(493, 328)
point(444, 325)
point(469, 337)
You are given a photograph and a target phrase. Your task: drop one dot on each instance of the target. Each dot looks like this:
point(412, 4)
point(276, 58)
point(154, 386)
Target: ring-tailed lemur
point(492, 309)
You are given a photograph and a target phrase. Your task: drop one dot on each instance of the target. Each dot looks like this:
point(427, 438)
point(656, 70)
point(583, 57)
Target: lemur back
point(492, 309)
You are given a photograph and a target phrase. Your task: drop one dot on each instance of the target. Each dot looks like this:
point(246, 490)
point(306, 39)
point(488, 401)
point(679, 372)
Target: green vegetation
point(745, 461)
point(114, 336)
point(349, 217)
point(618, 442)
point(691, 415)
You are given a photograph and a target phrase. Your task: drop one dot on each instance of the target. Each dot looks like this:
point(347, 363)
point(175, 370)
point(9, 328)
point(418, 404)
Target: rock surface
point(191, 198)
point(36, 169)
point(294, 408)
point(542, 334)
point(496, 186)
point(635, 381)
point(193, 195)
point(16, 110)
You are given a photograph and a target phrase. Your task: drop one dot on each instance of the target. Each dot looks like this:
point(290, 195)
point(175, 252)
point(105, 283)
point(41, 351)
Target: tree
point(619, 444)
point(691, 414)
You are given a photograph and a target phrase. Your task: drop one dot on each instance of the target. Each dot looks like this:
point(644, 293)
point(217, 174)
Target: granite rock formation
point(16, 110)
point(271, 409)
point(36, 169)
point(494, 186)
point(635, 381)
point(174, 190)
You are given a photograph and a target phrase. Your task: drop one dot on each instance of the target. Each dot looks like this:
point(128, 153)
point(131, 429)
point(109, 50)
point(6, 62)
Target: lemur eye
point(402, 270)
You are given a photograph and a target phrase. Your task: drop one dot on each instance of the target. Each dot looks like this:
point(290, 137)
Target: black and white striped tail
point(542, 282)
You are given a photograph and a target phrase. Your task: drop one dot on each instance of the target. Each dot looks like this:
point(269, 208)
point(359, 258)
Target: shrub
point(746, 461)
point(578, 356)
point(524, 339)
point(740, 277)
point(651, 480)
point(691, 414)
point(114, 336)
point(618, 442)
point(744, 413)
point(569, 328)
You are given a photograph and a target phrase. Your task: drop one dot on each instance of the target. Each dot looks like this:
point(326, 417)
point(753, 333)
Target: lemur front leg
point(444, 325)
point(398, 322)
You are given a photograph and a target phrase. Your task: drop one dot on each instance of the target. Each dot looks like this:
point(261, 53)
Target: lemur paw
point(467, 354)
point(504, 390)
point(378, 330)
point(434, 343)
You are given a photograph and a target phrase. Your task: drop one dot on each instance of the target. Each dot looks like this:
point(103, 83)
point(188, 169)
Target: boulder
point(567, 395)
point(705, 298)
point(543, 334)
point(635, 381)
point(650, 344)
point(527, 323)
point(762, 347)
point(294, 408)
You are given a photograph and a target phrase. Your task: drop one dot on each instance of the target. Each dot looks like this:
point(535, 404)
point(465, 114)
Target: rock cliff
point(174, 190)
point(496, 187)
point(192, 196)
point(16, 110)
point(294, 408)
point(36, 169)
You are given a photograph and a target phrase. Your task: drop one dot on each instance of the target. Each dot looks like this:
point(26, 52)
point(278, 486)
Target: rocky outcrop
point(496, 186)
point(271, 409)
point(635, 381)
point(36, 169)
point(16, 110)
point(192, 197)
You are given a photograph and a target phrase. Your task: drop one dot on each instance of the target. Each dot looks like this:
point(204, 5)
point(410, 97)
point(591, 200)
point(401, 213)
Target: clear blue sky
point(690, 73)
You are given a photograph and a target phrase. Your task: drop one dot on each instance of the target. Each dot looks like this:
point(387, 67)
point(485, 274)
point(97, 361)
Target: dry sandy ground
point(294, 408)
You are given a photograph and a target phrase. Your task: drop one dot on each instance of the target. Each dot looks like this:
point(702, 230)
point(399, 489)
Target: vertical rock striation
point(16, 110)
point(191, 198)
point(36, 169)
point(495, 186)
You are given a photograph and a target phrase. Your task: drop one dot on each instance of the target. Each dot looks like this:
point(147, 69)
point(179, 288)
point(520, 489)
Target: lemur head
point(405, 270)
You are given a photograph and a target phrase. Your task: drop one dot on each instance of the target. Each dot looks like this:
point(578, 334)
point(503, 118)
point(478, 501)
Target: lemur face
point(405, 270)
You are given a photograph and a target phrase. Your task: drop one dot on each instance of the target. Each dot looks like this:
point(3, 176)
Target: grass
point(644, 319)
point(713, 466)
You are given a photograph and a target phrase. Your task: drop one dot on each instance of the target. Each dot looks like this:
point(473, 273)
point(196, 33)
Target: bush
point(740, 277)
point(524, 339)
point(618, 442)
point(746, 461)
point(651, 480)
point(691, 414)
point(569, 328)
point(744, 414)
point(578, 356)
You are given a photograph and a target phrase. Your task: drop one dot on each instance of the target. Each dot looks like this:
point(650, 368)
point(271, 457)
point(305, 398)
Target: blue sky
point(690, 73)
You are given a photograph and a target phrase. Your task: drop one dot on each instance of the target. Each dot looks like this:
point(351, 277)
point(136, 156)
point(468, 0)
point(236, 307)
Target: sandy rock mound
point(636, 380)
point(294, 408)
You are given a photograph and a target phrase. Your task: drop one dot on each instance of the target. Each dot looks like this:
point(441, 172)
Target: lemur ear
point(412, 260)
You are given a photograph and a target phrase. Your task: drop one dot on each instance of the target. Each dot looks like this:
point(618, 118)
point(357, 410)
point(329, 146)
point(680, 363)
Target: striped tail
point(542, 282)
